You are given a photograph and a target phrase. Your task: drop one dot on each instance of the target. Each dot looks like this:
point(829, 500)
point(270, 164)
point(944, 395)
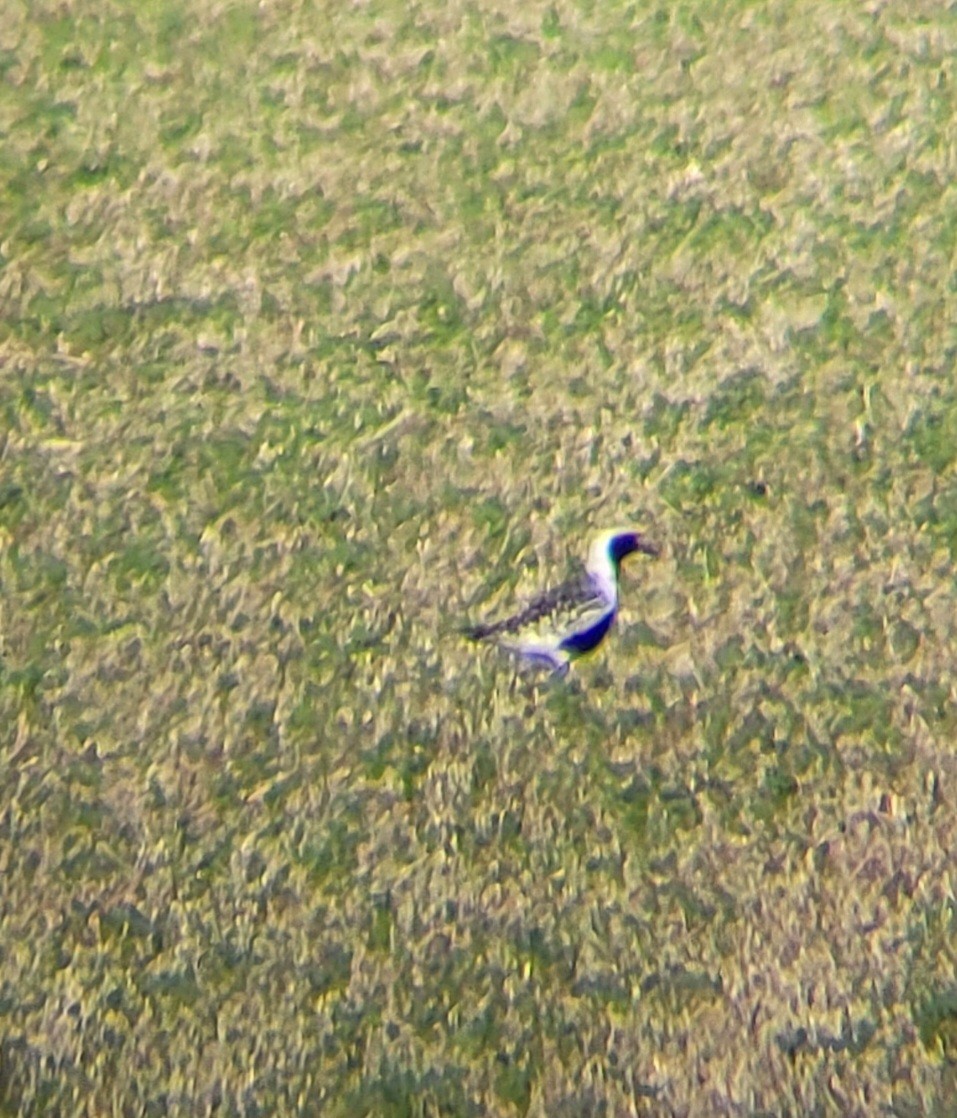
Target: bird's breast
point(585, 639)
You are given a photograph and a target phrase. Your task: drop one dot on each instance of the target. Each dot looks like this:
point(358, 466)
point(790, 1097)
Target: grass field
point(327, 326)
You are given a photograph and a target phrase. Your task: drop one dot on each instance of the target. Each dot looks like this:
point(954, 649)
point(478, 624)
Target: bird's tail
point(478, 632)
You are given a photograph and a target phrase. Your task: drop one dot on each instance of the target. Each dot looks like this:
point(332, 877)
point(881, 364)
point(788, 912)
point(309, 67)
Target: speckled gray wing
point(555, 608)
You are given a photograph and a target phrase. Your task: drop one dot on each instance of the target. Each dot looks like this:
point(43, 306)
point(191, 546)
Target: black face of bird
point(626, 542)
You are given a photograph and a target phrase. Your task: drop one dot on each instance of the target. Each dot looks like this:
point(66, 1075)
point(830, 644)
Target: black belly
point(586, 640)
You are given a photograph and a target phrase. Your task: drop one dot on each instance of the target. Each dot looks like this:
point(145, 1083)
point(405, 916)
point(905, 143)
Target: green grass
point(326, 327)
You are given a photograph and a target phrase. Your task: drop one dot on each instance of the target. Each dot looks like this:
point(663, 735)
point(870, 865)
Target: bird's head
point(611, 547)
point(607, 552)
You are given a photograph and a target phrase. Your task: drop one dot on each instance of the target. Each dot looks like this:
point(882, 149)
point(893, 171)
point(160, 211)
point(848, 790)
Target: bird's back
point(556, 610)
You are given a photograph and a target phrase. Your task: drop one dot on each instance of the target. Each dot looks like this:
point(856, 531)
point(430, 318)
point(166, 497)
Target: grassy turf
point(326, 325)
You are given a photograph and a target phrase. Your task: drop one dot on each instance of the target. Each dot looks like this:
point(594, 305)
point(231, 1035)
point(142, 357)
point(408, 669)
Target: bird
point(564, 623)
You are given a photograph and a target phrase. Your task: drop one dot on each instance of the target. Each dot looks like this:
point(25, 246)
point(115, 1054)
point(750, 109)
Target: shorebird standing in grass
point(563, 624)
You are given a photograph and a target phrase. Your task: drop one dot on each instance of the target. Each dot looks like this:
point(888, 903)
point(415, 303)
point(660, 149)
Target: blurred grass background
point(325, 325)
